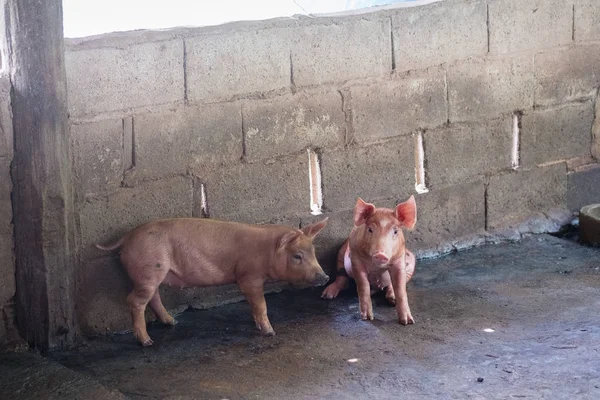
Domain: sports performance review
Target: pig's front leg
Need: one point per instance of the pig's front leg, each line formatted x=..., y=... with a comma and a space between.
x=254, y=292
x=399, y=281
x=364, y=293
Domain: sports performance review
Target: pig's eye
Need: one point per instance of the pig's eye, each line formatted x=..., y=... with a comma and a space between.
x=370, y=230
x=298, y=257
x=395, y=231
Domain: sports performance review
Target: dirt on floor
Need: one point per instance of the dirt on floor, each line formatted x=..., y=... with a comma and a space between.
x=515, y=320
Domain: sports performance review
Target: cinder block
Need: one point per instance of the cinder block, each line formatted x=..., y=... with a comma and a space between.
x=459, y=152
x=512, y=198
x=556, y=134
x=169, y=142
x=480, y=88
x=567, y=74
x=583, y=188
x=375, y=172
x=7, y=269
x=6, y=213
x=587, y=20
x=291, y=123
x=351, y=49
x=98, y=155
x=109, y=79
x=102, y=289
x=430, y=35
x=258, y=192
x=517, y=25
x=106, y=219
x=6, y=130
x=445, y=215
x=221, y=67
x=399, y=107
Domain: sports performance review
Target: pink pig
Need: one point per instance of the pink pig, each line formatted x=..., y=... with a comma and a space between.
x=375, y=254
x=186, y=252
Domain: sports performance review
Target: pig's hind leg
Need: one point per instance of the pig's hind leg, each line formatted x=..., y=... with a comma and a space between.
x=160, y=311
x=137, y=300
x=146, y=277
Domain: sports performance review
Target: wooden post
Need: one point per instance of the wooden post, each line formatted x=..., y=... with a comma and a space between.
x=41, y=171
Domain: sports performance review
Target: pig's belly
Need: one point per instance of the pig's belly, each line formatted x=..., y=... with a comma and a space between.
x=200, y=275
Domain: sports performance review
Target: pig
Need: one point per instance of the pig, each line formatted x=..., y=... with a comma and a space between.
x=375, y=255
x=186, y=252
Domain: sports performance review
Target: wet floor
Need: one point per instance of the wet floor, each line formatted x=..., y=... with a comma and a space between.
x=500, y=321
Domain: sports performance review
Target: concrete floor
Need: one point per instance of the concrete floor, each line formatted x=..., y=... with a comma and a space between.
x=540, y=296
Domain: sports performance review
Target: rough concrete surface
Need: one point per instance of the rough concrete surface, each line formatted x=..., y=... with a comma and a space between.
x=513, y=197
x=517, y=25
x=374, y=172
x=223, y=66
x=429, y=35
x=587, y=20
x=461, y=151
x=288, y=124
x=567, y=74
x=539, y=297
x=109, y=79
x=556, y=134
x=400, y=106
x=353, y=49
x=479, y=88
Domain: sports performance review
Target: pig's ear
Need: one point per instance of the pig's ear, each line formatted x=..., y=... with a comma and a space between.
x=362, y=211
x=289, y=237
x=314, y=229
x=407, y=213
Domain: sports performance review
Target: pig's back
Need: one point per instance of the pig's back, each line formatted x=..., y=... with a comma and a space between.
x=198, y=251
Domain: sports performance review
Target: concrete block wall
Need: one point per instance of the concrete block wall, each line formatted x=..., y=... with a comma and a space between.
x=7, y=264
x=493, y=102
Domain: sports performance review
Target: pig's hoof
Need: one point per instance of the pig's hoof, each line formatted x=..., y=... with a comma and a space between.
x=148, y=342
x=170, y=321
x=330, y=292
x=268, y=333
x=367, y=316
x=407, y=321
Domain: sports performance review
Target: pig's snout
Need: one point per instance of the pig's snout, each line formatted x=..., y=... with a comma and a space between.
x=380, y=258
x=321, y=279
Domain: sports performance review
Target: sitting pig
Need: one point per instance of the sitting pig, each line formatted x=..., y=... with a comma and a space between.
x=186, y=252
x=375, y=254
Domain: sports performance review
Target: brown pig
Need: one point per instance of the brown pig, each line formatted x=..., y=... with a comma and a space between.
x=185, y=252
x=375, y=255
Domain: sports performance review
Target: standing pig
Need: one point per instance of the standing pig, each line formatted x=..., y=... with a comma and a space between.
x=375, y=254
x=186, y=252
